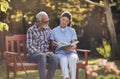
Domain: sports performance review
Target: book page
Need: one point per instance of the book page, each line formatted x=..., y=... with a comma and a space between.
x=63, y=45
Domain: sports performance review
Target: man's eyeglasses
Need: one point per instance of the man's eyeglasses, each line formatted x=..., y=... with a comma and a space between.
x=45, y=22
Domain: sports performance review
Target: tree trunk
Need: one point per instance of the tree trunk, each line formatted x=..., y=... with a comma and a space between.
x=110, y=26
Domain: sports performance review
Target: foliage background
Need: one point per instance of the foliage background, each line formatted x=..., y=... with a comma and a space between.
x=88, y=20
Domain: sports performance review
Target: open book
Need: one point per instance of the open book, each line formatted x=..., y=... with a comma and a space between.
x=62, y=45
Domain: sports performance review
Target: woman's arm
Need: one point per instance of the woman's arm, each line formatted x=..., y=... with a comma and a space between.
x=54, y=43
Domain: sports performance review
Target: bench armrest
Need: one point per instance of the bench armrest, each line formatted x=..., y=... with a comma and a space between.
x=11, y=57
x=86, y=54
x=11, y=53
x=83, y=50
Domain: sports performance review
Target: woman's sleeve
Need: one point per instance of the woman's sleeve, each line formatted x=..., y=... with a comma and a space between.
x=74, y=35
x=52, y=35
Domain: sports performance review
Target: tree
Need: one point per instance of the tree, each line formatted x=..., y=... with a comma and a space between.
x=4, y=5
x=110, y=24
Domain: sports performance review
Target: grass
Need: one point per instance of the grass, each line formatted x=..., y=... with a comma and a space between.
x=58, y=75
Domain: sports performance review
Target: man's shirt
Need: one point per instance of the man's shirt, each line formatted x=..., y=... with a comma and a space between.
x=38, y=39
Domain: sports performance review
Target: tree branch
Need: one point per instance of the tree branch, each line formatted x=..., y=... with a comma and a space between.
x=94, y=3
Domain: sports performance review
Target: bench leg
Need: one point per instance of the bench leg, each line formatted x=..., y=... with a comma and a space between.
x=77, y=73
x=8, y=74
x=86, y=76
x=15, y=74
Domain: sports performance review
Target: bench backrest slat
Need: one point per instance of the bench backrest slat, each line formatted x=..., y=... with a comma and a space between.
x=17, y=43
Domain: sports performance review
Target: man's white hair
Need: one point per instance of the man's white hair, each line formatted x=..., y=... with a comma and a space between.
x=40, y=15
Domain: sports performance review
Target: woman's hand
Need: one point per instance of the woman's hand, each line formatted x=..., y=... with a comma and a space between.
x=70, y=47
x=54, y=43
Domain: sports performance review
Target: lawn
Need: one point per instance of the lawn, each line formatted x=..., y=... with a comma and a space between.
x=102, y=73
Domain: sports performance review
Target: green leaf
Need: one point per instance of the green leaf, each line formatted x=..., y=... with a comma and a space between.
x=4, y=5
x=105, y=49
x=4, y=26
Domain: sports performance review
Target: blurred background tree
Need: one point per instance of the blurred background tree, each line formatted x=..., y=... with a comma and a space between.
x=106, y=6
x=89, y=20
x=4, y=6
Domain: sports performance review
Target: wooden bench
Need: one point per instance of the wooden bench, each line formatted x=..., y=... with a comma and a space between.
x=16, y=56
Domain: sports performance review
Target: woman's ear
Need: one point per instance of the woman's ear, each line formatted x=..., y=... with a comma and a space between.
x=69, y=24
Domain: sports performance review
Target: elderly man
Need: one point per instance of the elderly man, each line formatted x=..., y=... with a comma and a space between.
x=38, y=46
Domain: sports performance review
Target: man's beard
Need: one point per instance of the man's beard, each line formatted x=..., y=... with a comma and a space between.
x=43, y=27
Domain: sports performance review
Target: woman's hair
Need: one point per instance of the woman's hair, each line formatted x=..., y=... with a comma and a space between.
x=67, y=14
x=40, y=15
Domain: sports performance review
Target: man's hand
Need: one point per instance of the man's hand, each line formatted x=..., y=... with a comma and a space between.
x=48, y=53
x=40, y=52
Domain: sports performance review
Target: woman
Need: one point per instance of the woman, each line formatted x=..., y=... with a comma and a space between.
x=68, y=56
